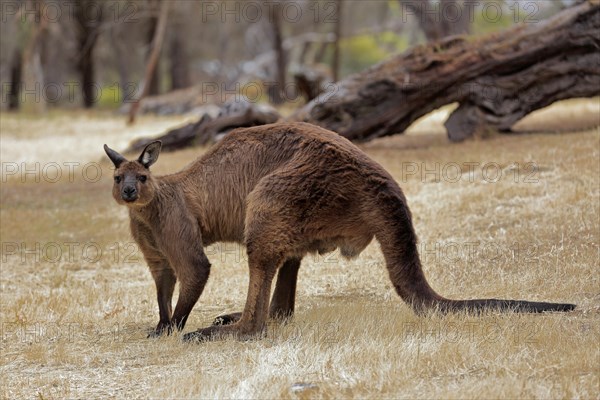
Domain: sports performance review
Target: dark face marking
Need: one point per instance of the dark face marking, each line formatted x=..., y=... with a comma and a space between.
x=129, y=192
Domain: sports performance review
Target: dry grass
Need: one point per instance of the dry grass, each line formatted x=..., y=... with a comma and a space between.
x=74, y=322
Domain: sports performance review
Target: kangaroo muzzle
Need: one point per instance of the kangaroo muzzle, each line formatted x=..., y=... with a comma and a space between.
x=129, y=193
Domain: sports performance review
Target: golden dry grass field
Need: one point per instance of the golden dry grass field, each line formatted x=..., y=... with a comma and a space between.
x=508, y=217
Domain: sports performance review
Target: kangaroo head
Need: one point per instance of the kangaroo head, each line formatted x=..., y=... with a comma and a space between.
x=134, y=185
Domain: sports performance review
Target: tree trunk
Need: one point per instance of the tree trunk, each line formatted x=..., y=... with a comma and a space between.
x=276, y=90
x=153, y=60
x=86, y=70
x=88, y=26
x=120, y=50
x=33, y=73
x=154, y=82
x=179, y=62
x=497, y=80
x=16, y=77
x=335, y=65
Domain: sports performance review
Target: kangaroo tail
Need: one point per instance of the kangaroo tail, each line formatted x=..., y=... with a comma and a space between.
x=521, y=306
x=398, y=242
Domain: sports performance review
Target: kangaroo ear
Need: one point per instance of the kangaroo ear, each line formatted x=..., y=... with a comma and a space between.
x=150, y=154
x=115, y=157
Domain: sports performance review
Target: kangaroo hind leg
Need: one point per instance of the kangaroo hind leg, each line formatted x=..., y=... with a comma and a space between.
x=284, y=296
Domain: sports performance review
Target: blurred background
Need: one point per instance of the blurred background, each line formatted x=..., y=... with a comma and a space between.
x=94, y=54
x=512, y=216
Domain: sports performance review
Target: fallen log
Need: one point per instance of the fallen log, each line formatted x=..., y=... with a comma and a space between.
x=311, y=81
x=235, y=114
x=496, y=80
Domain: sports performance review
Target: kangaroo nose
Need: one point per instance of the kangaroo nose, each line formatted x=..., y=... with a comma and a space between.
x=129, y=191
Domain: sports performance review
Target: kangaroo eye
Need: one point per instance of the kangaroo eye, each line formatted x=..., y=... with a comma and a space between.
x=142, y=178
x=118, y=179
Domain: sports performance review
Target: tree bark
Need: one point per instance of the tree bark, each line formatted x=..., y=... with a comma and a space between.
x=497, y=80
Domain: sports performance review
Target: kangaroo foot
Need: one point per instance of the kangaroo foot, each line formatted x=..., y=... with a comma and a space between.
x=219, y=332
x=227, y=319
x=163, y=328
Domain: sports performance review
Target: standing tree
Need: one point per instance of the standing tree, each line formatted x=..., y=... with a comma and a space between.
x=16, y=72
x=153, y=21
x=157, y=42
x=335, y=65
x=179, y=60
x=276, y=90
x=33, y=73
x=88, y=18
x=14, y=30
x=120, y=51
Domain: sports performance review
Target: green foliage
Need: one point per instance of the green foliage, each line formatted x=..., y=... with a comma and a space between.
x=362, y=51
x=110, y=97
x=494, y=18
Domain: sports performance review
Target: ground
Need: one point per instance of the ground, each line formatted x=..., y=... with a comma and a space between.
x=515, y=216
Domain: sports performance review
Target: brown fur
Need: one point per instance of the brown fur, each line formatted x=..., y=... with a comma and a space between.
x=283, y=190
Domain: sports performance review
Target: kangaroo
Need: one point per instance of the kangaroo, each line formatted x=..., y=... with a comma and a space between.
x=284, y=190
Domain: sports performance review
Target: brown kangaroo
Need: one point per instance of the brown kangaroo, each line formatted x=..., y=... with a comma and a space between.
x=283, y=190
